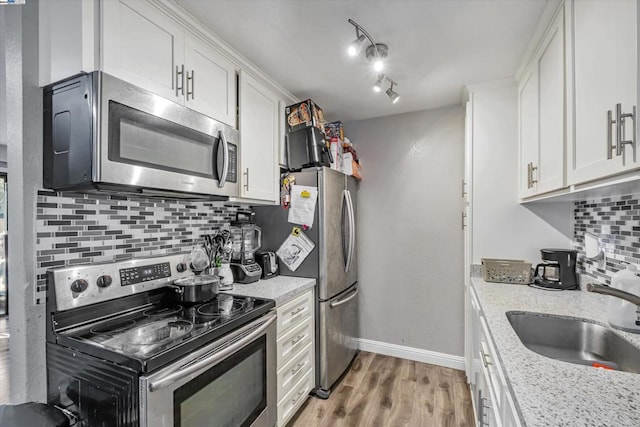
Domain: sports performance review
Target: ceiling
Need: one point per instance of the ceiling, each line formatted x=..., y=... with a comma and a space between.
x=435, y=46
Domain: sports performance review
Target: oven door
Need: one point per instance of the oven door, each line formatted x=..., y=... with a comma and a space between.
x=230, y=382
x=147, y=141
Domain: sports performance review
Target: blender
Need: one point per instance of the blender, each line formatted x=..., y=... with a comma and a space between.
x=246, y=240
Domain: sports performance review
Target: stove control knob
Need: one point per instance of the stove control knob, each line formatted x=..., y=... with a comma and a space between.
x=182, y=267
x=79, y=286
x=104, y=281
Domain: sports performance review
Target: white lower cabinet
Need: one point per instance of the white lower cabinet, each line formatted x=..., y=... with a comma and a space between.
x=295, y=349
x=492, y=402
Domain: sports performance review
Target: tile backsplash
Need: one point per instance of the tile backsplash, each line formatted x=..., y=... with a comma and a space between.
x=616, y=222
x=85, y=228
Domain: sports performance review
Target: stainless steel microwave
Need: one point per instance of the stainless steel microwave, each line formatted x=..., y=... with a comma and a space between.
x=101, y=133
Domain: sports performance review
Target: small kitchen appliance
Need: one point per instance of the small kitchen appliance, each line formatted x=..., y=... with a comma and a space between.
x=558, y=269
x=307, y=148
x=247, y=239
x=268, y=261
x=123, y=350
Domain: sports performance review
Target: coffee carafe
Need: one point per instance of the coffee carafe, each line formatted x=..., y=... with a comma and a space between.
x=246, y=241
x=557, y=270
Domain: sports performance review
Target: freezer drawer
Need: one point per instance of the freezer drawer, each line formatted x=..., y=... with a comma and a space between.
x=338, y=331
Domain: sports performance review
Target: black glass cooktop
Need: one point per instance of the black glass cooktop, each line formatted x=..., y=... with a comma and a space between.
x=153, y=335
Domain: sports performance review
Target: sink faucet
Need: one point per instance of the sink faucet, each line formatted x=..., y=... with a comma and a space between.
x=608, y=290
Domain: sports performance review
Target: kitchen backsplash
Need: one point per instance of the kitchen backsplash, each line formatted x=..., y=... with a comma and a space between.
x=85, y=228
x=616, y=221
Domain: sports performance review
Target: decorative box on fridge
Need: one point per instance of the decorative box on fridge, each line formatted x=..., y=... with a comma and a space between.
x=304, y=114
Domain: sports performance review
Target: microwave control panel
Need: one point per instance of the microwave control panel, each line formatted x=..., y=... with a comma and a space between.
x=232, y=174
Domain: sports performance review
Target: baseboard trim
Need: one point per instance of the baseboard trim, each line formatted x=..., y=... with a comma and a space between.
x=411, y=353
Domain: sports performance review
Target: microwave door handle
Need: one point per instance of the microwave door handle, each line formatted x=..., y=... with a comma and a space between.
x=222, y=177
x=188, y=369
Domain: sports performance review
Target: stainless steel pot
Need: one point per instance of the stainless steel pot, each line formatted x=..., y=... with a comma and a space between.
x=196, y=289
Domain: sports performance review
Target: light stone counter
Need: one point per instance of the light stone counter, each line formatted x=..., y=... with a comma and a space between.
x=280, y=288
x=548, y=392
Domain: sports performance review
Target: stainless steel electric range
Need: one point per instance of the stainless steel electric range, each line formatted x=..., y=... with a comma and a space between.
x=122, y=352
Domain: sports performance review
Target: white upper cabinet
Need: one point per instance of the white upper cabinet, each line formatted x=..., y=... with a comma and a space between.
x=542, y=115
x=144, y=46
x=210, y=81
x=604, y=70
x=259, y=136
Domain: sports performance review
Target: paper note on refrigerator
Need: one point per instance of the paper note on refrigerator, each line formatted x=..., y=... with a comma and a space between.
x=303, y=204
x=295, y=249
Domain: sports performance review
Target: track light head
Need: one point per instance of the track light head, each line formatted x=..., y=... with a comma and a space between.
x=355, y=46
x=377, y=87
x=377, y=53
x=393, y=95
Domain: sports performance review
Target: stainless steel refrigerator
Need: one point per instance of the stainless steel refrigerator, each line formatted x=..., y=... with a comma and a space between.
x=333, y=263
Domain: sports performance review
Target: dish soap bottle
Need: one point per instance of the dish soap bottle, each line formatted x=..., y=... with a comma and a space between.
x=622, y=314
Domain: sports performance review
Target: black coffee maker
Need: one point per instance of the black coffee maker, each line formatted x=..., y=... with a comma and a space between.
x=557, y=270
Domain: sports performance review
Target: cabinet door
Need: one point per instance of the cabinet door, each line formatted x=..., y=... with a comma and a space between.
x=604, y=61
x=528, y=110
x=258, y=123
x=210, y=81
x=550, y=166
x=142, y=46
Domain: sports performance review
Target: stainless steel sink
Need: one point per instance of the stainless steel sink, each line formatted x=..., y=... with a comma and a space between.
x=575, y=341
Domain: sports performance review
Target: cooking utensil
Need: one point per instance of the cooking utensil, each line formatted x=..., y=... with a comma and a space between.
x=196, y=289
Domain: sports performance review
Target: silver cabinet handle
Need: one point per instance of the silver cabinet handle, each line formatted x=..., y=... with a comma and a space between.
x=610, y=122
x=334, y=304
x=222, y=177
x=297, y=339
x=464, y=189
x=189, y=368
x=298, y=396
x=179, y=79
x=190, y=79
x=294, y=312
x=464, y=216
x=621, y=140
x=485, y=358
x=297, y=368
x=528, y=175
x=533, y=168
x=246, y=180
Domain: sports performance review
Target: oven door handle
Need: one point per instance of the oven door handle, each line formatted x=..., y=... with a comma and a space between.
x=191, y=367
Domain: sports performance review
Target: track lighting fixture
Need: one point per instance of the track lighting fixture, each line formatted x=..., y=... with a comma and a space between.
x=376, y=54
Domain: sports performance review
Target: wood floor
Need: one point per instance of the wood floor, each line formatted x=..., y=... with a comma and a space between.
x=4, y=361
x=386, y=391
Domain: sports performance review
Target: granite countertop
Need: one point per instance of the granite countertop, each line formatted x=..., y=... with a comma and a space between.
x=280, y=288
x=548, y=392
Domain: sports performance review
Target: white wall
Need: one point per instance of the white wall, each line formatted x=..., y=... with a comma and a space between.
x=410, y=259
x=19, y=90
x=502, y=227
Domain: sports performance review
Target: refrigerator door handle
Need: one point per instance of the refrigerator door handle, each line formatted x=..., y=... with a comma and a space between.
x=352, y=231
x=346, y=248
x=334, y=304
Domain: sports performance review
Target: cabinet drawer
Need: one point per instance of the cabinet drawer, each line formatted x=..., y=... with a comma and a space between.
x=293, y=371
x=294, y=399
x=294, y=312
x=492, y=368
x=293, y=341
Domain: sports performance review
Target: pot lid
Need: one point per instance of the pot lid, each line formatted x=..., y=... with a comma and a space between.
x=202, y=279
